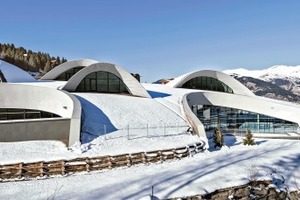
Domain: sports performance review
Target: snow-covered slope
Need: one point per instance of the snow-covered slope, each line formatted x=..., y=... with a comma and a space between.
x=285, y=77
x=111, y=110
x=14, y=74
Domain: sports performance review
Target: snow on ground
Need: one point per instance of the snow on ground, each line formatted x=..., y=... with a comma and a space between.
x=32, y=151
x=120, y=145
x=107, y=114
x=205, y=172
x=111, y=109
x=106, y=119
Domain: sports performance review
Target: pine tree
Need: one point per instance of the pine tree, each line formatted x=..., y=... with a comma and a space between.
x=218, y=138
x=248, y=140
x=47, y=67
x=33, y=61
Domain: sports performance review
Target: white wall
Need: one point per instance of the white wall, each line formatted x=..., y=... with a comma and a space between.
x=44, y=99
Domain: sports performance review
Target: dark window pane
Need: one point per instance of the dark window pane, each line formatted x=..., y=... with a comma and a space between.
x=207, y=83
x=68, y=74
x=102, y=82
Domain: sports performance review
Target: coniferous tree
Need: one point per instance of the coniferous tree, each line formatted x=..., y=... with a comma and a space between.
x=218, y=138
x=248, y=140
x=47, y=66
x=27, y=59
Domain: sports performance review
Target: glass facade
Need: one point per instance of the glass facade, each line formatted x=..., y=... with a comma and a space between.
x=12, y=113
x=102, y=82
x=235, y=120
x=207, y=83
x=68, y=74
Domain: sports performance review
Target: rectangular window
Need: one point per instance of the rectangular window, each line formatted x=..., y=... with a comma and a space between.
x=93, y=85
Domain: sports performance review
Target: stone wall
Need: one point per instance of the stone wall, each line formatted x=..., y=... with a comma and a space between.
x=253, y=190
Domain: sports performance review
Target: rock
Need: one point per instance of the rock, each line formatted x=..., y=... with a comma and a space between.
x=282, y=195
x=295, y=195
x=272, y=194
x=259, y=192
x=241, y=192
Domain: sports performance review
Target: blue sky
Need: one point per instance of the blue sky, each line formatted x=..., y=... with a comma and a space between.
x=159, y=38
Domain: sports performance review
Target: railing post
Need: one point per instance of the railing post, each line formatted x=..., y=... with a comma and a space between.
x=104, y=132
x=128, y=137
x=147, y=131
x=152, y=192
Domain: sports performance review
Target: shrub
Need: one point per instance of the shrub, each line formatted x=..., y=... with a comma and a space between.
x=248, y=140
x=218, y=138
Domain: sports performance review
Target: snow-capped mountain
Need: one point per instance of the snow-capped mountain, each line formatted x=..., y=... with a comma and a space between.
x=280, y=81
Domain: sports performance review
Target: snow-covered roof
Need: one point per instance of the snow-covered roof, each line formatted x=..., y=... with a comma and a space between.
x=13, y=74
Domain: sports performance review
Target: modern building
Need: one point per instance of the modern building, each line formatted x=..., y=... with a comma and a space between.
x=222, y=101
x=47, y=109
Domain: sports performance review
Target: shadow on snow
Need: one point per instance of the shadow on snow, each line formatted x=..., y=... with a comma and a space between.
x=154, y=94
x=94, y=121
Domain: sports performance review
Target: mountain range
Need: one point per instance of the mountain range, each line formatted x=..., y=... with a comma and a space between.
x=279, y=82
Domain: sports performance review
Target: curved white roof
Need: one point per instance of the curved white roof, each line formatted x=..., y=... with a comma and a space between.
x=14, y=74
x=134, y=87
x=58, y=70
x=236, y=86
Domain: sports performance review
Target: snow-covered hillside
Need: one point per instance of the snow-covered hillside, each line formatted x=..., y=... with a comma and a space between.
x=271, y=73
x=284, y=81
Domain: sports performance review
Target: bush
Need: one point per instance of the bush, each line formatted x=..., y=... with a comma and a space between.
x=248, y=140
x=218, y=138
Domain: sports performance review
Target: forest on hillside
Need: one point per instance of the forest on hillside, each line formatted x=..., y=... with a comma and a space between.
x=29, y=60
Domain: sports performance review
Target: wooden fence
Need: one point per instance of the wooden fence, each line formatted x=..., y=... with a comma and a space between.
x=20, y=171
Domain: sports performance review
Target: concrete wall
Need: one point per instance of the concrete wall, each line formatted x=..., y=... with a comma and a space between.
x=44, y=99
x=39, y=129
x=192, y=118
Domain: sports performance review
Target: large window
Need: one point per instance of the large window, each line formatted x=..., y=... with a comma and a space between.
x=235, y=120
x=207, y=83
x=102, y=82
x=68, y=74
x=12, y=113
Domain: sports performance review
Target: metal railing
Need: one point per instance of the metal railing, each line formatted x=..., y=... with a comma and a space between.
x=134, y=131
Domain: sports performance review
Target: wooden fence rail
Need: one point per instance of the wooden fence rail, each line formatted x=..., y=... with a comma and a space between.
x=44, y=169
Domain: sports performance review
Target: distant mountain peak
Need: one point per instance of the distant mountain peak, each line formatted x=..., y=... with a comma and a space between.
x=278, y=81
x=273, y=72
